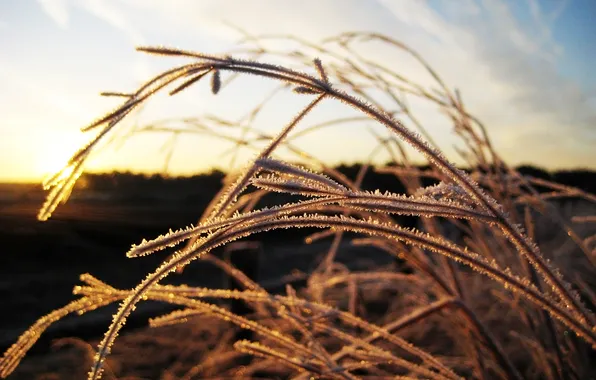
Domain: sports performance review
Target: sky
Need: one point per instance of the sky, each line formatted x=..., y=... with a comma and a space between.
x=522, y=67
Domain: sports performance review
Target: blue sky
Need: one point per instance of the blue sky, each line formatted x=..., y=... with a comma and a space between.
x=572, y=31
x=523, y=67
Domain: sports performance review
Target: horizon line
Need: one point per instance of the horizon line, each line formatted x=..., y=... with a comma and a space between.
x=39, y=180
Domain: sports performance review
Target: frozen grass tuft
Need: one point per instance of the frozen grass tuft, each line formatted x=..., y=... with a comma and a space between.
x=476, y=295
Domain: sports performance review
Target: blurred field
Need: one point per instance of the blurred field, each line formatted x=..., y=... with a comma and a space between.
x=42, y=261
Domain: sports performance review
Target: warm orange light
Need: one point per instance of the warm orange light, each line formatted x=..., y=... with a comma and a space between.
x=56, y=153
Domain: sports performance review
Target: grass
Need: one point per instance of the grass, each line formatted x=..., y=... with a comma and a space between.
x=478, y=295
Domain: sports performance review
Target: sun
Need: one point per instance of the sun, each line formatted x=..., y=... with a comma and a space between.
x=56, y=152
x=50, y=164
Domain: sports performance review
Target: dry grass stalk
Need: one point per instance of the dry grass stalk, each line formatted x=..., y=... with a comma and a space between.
x=304, y=333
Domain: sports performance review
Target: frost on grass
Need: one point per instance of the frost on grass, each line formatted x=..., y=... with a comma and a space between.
x=301, y=332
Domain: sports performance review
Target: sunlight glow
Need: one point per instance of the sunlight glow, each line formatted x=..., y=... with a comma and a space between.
x=55, y=157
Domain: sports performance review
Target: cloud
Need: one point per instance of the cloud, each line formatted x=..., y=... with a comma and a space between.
x=501, y=54
x=109, y=12
x=57, y=10
x=543, y=20
x=504, y=63
x=519, y=57
x=115, y=16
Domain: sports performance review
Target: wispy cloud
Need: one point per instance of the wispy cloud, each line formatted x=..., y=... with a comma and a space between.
x=501, y=54
x=506, y=65
x=544, y=20
x=57, y=10
x=115, y=16
x=110, y=12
